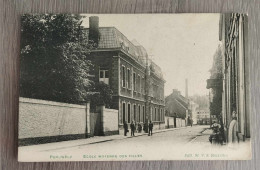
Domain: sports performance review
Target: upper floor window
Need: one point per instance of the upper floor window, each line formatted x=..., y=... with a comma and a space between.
x=123, y=76
x=134, y=81
x=104, y=76
x=143, y=85
x=128, y=79
x=139, y=83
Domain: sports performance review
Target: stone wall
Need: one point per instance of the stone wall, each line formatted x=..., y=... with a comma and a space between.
x=180, y=122
x=169, y=122
x=43, y=121
x=109, y=121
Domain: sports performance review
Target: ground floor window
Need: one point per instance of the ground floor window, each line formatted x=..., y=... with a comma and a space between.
x=124, y=113
x=139, y=113
x=134, y=113
x=143, y=114
x=129, y=112
x=161, y=115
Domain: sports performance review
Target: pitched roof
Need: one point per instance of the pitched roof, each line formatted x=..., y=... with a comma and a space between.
x=156, y=70
x=110, y=37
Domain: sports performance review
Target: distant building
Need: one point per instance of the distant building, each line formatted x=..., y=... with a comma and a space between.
x=203, y=117
x=235, y=96
x=194, y=111
x=177, y=105
x=136, y=81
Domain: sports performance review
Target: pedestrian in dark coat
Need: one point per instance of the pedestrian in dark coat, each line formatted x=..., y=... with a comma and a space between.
x=132, y=126
x=125, y=128
x=150, y=126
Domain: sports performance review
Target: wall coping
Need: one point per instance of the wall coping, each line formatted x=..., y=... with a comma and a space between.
x=110, y=110
x=46, y=102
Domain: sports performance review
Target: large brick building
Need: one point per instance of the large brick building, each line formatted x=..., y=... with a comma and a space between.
x=136, y=81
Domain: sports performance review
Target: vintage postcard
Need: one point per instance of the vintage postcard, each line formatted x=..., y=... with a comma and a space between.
x=117, y=87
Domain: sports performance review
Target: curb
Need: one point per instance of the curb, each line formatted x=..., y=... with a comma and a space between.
x=127, y=137
x=158, y=131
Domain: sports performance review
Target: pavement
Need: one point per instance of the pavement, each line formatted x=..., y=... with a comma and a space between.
x=186, y=143
x=203, y=138
x=87, y=141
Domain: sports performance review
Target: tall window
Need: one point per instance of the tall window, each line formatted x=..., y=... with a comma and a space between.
x=143, y=114
x=155, y=113
x=129, y=113
x=124, y=113
x=104, y=76
x=128, y=79
x=161, y=115
x=123, y=76
x=134, y=81
x=143, y=84
x=158, y=113
x=139, y=83
x=152, y=115
x=134, y=112
x=139, y=113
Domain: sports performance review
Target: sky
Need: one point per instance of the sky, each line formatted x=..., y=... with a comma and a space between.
x=183, y=45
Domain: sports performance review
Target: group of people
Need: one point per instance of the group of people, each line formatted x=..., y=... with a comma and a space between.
x=139, y=128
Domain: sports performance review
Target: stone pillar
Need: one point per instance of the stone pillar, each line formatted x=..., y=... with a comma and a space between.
x=102, y=120
x=88, y=133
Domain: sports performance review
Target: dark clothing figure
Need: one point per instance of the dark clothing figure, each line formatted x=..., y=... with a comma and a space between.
x=190, y=121
x=132, y=126
x=145, y=128
x=150, y=131
x=125, y=128
x=139, y=128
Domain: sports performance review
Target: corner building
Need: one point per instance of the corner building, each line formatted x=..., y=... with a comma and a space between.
x=136, y=81
x=235, y=95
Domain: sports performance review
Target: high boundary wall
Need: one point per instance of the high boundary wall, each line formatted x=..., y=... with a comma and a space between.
x=170, y=122
x=109, y=121
x=42, y=121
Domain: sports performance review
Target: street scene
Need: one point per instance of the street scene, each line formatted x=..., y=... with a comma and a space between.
x=134, y=87
x=193, y=142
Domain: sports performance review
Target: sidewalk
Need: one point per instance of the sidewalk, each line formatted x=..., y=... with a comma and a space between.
x=203, y=138
x=82, y=142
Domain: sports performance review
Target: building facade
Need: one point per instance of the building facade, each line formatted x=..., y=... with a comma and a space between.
x=205, y=118
x=177, y=105
x=235, y=99
x=136, y=81
x=194, y=111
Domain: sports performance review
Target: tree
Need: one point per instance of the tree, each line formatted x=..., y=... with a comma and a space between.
x=100, y=94
x=216, y=73
x=54, y=63
x=201, y=100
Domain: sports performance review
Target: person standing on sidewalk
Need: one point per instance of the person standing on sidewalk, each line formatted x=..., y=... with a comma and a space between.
x=125, y=128
x=132, y=126
x=150, y=131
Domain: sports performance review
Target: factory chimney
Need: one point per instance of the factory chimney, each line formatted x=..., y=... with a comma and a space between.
x=186, y=89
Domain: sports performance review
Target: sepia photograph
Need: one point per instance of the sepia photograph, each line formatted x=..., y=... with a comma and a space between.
x=119, y=87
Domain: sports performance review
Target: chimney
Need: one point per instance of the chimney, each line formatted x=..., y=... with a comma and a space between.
x=176, y=92
x=186, y=89
x=94, y=30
